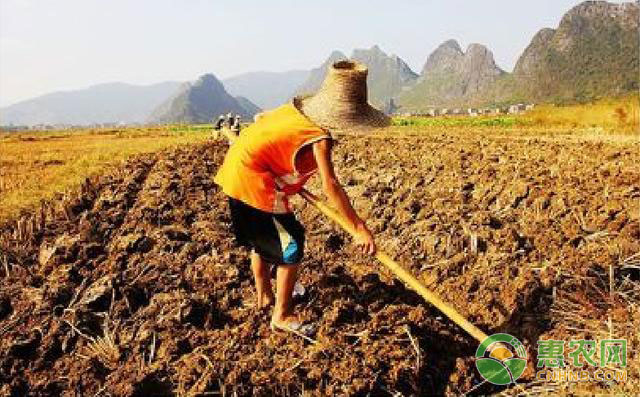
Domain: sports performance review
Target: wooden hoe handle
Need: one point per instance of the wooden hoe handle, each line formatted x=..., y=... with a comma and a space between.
x=400, y=272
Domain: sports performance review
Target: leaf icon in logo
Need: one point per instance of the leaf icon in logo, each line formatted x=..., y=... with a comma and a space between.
x=516, y=366
x=494, y=371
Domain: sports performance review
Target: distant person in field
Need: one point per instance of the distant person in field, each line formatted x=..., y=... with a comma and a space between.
x=272, y=160
x=230, y=120
x=235, y=127
x=218, y=124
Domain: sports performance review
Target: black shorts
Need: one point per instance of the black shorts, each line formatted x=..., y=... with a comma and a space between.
x=277, y=238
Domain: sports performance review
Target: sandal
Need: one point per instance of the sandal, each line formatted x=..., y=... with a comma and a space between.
x=304, y=331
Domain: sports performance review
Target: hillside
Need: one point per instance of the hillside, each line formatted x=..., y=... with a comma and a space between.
x=103, y=103
x=450, y=77
x=200, y=102
x=592, y=53
x=266, y=89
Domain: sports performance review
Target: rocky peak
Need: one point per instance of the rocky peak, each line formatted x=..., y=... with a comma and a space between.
x=388, y=74
x=625, y=14
x=543, y=36
x=478, y=57
x=451, y=76
x=529, y=59
x=200, y=102
x=588, y=19
x=593, y=52
x=208, y=82
x=447, y=57
x=476, y=50
x=451, y=44
x=206, y=86
x=480, y=68
x=376, y=59
x=590, y=16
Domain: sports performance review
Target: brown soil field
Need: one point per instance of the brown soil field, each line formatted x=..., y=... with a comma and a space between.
x=132, y=286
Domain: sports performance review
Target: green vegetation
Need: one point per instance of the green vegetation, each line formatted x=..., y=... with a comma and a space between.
x=459, y=121
x=188, y=128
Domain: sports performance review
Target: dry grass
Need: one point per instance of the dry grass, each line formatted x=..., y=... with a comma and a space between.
x=613, y=116
x=36, y=165
x=620, y=115
x=105, y=350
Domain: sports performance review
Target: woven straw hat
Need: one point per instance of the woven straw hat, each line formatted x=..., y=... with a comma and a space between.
x=341, y=103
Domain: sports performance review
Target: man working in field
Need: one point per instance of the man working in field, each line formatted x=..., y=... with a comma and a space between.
x=272, y=159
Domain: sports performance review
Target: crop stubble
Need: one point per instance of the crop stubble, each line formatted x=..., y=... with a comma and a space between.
x=133, y=286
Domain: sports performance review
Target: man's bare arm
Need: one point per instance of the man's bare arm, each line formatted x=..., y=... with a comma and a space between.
x=337, y=196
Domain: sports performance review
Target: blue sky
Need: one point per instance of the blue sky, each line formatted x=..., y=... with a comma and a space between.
x=48, y=45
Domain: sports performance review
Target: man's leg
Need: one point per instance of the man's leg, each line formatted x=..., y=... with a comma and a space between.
x=285, y=280
x=262, y=280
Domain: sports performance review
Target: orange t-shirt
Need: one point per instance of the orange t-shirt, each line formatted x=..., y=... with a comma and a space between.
x=260, y=166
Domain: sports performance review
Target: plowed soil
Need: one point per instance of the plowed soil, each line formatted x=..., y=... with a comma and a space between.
x=133, y=286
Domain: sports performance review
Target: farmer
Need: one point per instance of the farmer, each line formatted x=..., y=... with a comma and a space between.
x=218, y=124
x=235, y=127
x=272, y=159
x=230, y=120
